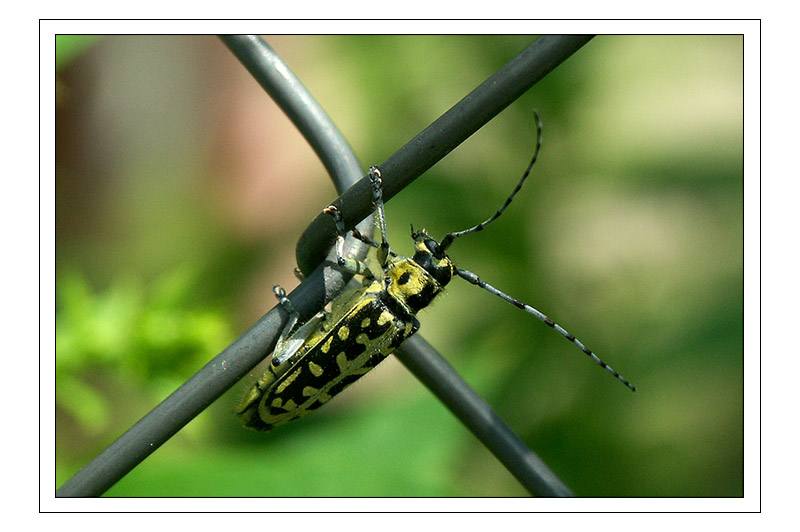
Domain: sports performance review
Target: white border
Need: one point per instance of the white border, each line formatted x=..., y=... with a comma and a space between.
x=750, y=29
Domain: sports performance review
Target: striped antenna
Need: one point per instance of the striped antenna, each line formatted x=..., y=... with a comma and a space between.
x=448, y=239
x=474, y=279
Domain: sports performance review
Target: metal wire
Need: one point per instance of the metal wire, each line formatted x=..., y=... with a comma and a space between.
x=290, y=94
x=476, y=414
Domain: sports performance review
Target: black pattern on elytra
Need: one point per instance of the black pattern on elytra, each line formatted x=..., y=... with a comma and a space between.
x=327, y=361
x=342, y=384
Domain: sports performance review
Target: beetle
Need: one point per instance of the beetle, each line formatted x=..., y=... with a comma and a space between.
x=315, y=360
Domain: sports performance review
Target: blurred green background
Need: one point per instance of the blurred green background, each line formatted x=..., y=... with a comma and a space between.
x=181, y=191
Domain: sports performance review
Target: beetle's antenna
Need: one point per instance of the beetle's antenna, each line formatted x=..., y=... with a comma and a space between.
x=474, y=279
x=449, y=237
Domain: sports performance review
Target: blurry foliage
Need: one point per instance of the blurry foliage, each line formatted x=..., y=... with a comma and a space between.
x=148, y=336
x=69, y=47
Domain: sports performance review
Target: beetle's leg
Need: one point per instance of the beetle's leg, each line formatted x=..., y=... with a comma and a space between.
x=380, y=218
x=348, y=264
x=294, y=316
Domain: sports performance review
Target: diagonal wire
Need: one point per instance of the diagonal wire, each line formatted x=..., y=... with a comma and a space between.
x=238, y=359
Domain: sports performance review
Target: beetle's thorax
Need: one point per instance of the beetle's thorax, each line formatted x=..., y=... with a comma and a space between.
x=414, y=282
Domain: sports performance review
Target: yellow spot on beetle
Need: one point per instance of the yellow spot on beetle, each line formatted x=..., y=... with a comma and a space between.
x=385, y=317
x=282, y=386
x=309, y=391
x=362, y=339
x=343, y=332
x=326, y=346
x=315, y=369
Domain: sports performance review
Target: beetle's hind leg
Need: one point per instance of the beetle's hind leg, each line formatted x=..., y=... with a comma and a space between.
x=294, y=316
